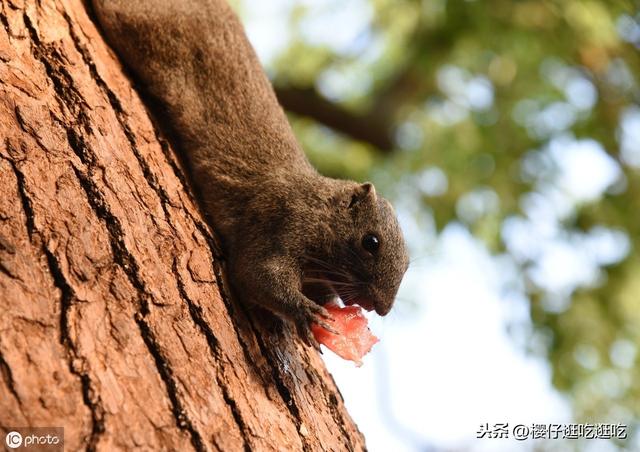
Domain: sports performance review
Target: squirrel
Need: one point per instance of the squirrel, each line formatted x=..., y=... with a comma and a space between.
x=293, y=239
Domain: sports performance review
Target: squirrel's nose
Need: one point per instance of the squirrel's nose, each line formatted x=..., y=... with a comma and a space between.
x=382, y=307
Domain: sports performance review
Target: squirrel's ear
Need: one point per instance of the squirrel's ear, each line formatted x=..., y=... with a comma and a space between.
x=362, y=192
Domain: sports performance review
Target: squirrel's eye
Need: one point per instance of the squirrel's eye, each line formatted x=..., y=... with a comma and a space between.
x=370, y=243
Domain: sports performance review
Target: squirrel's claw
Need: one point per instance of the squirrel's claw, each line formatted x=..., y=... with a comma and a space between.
x=313, y=313
x=304, y=330
x=320, y=316
x=327, y=326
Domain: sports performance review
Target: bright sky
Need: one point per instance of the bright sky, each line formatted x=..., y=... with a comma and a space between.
x=446, y=366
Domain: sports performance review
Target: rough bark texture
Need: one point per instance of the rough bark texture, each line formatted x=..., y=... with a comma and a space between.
x=113, y=324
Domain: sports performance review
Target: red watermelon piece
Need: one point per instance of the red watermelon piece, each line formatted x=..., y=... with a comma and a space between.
x=355, y=339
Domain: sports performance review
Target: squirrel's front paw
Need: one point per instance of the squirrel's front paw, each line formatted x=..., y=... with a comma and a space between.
x=308, y=314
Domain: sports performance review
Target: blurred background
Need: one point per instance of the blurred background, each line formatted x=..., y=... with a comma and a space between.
x=507, y=135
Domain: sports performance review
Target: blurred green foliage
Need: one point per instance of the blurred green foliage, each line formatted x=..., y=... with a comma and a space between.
x=518, y=119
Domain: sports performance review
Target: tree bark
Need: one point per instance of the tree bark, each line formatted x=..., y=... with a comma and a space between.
x=116, y=323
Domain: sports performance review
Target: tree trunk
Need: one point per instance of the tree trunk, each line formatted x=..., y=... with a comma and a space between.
x=112, y=321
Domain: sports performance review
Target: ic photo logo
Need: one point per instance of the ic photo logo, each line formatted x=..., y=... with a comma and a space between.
x=34, y=439
x=13, y=440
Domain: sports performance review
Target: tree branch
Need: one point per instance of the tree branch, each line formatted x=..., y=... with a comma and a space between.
x=408, y=85
x=374, y=127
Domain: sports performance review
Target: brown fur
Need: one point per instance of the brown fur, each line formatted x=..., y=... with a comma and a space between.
x=292, y=237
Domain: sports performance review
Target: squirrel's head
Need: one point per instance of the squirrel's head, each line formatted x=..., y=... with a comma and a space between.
x=368, y=255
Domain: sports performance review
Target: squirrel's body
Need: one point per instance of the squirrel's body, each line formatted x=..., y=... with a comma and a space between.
x=279, y=220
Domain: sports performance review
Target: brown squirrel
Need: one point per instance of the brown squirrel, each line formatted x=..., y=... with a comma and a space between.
x=293, y=239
